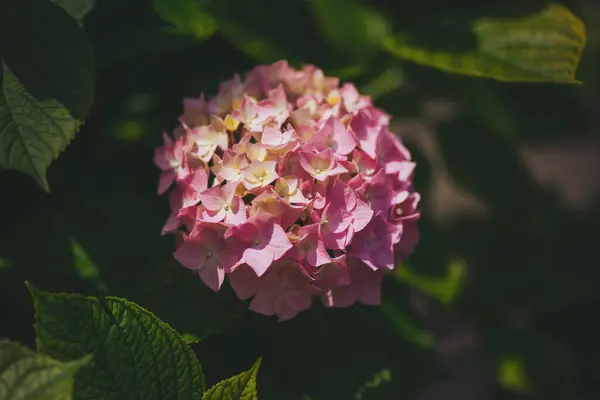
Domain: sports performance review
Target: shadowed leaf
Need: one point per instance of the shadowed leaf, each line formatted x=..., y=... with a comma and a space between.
x=32, y=132
x=545, y=47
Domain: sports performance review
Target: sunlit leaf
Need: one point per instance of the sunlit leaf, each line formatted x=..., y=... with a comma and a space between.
x=136, y=355
x=239, y=387
x=25, y=375
x=545, y=47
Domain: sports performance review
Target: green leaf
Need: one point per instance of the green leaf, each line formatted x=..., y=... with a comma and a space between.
x=49, y=53
x=238, y=387
x=136, y=354
x=512, y=374
x=444, y=289
x=85, y=267
x=381, y=377
x=25, y=375
x=350, y=26
x=389, y=80
x=545, y=47
x=77, y=9
x=404, y=325
x=187, y=16
x=32, y=132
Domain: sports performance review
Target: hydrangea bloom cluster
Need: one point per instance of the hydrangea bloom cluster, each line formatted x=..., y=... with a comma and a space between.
x=291, y=185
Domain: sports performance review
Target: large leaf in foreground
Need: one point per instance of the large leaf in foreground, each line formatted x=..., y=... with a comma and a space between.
x=545, y=47
x=25, y=375
x=238, y=387
x=136, y=356
x=33, y=132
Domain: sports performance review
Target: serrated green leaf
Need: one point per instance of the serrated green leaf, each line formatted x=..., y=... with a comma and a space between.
x=25, y=375
x=187, y=16
x=136, y=355
x=32, y=132
x=49, y=53
x=238, y=387
x=545, y=47
x=77, y=9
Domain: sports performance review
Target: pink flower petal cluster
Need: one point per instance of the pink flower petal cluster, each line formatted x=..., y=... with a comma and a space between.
x=293, y=187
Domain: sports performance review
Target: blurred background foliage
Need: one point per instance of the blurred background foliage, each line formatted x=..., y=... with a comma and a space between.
x=498, y=300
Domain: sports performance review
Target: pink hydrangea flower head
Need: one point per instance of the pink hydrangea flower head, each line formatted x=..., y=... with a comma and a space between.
x=292, y=187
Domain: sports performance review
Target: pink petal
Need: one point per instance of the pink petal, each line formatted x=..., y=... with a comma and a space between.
x=228, y=191
x=191, y=254
x=171, y=225
x=338, y=221
x=367, y=130
x=362, y=215
x=367, y=283
x=341, y=296
x=228, y=173
x=342, y=196
x=337, y=169
x=344, y=140
x=160, y=159
x=279, y=242
x=212, y=277
x=212, y=199
x=334, y=274
x=187, y=216
x=165, y=181
x=258, y=259
x=264, y=303
x=338, y=240
x=305, y=161
x=318, y=256
x=291, y=303
x=271, y=136
x=244, y=282
x=237, y=212
x=214, y=216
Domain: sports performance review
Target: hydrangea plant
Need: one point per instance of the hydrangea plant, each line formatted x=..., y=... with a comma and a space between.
x=291, y=185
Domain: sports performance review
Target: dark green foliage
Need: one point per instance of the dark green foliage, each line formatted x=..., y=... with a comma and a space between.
x=500, y=302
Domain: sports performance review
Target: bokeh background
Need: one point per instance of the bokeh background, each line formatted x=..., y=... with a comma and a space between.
x=500, y=299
